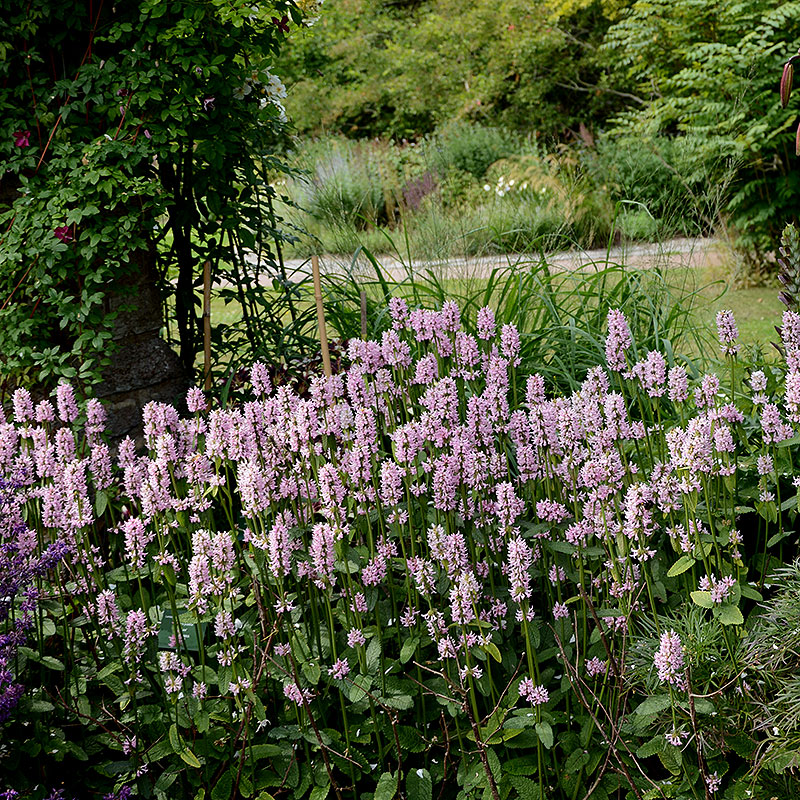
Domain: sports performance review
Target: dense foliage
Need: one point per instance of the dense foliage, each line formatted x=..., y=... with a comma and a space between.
x=135, y=138
x=686, y=88
x=402, y=69
x=421, y=579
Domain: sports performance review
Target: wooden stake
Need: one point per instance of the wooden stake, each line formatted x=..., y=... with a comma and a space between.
x=323, y=333
x=207, y=323
x=364, y=315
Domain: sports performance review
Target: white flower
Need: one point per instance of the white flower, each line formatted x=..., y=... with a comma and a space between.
x=240, y=92
x=275, y=88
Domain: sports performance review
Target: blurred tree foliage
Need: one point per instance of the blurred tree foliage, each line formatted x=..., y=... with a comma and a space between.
x=712, y=69
x=638, y=70
x=402, y=68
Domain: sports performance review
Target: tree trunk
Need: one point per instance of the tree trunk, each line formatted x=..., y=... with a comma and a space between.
x=143, y=366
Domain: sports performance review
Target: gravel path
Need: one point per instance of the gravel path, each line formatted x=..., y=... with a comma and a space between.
x=695, y=253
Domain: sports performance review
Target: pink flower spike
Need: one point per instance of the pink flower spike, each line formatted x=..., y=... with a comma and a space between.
x=63, y=233
x=535, y=695
x=340, y=669
x=22, y=138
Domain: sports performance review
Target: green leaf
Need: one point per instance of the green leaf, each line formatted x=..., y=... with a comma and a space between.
x=419, y=785
x=100, y=503
x=222, y=788
x=387, y=787
x=702, y=599
x=320, y=792
x=312, y=672
x=683, y=564
x=259, y=751
x=655, y=745
x=190, y=758
x=527, y=789
x=408, y=649
x=373, y=654
x=703, y=705
x=751, y=593
x=729, y=614
x=52, y=663
x=671, y=758
x=545, y=734
x=769, y=511
x=653, y=705
x=175, y=739
x=492, y=649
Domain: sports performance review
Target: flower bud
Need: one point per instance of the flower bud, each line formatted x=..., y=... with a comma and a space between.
x=786, y=82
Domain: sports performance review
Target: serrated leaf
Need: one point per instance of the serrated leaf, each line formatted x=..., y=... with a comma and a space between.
x=655, y=745
x=683, y=564
x=419, y=785
x=703, y=706
x=357, y=689
x=408, y=649
x=259, y=751
x=373, y=654
x=222, y=788
x=175, y=739
x=671, y=758
x=702, y=599
x=729, y=614
x=312, y=672
x=320, y=792
x=387, y=787
x=527, y=789
x=52, y=663
x=545, y=734
x=653, y=705
x=524, y=765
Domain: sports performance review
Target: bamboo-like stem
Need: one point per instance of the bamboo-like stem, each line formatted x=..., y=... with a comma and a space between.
x=364, y=315
x=323, y=333
x=207, y=324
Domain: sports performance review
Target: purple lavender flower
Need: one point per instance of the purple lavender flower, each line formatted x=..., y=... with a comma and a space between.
x=137, y=632
x=560, y=611
x=398, y=310
x=510, y=344
x=652, y=374
x=323, y=554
